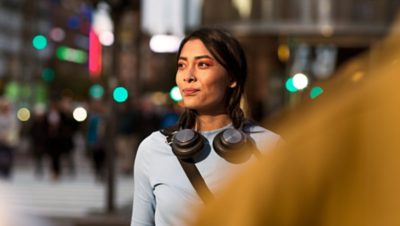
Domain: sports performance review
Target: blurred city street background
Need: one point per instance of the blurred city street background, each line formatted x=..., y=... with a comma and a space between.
x=73, y=199
x=82, y=82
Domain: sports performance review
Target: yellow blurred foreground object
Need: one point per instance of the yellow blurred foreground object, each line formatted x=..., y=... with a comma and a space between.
x=341, y=162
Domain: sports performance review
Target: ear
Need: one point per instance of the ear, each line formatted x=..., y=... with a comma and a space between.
x=233, y=84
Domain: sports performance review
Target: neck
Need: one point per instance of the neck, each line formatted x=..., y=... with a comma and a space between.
x=211, y=122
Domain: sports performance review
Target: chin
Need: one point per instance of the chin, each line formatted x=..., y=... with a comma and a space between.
x=189, y=103
x=190, y=106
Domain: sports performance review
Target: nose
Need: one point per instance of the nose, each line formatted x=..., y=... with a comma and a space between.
x=189, y=76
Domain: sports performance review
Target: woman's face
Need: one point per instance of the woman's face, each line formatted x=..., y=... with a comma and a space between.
x=202, y=81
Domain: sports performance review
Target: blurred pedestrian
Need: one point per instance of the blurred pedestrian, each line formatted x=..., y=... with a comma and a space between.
x=209, y=138
x=54, y=146
x=149, y=118
x=127, y=136
x=8, y=137
x=68, y=128
x=95, y=138
x=38, y=134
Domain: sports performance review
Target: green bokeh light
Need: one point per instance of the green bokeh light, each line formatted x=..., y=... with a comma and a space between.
x=40, y=93
x=25, y=91
x=315, y=92
x=120, y=94
x=175, y=94
x=12, y=90
x=290, y=86
x=39, y=42
x=96, y=91
x=48, y=74
x=72, y=55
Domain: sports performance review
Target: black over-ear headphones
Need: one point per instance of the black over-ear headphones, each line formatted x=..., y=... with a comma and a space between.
x=232, y=144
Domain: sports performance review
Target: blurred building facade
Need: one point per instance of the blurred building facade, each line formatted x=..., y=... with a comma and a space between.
x=34, y=48
x=280, y=37
x=283, y=37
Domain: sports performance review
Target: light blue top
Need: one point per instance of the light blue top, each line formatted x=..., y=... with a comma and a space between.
x=163, y=195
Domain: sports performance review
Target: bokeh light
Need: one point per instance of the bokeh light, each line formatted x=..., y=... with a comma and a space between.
x=57, y=34
x=165, y=43
x=72, y=55
x=175, y=94
x=79, y=114
x=48, y=74
x=290, y=86
x=106, y=38
x=23, y=114
x=12, y=90
x=39, y=42
x=159, y=98
x=300, y=81
x=315, y=92
x=73, y=22
x=120, y=94
x=96, y=91
x=283, y=52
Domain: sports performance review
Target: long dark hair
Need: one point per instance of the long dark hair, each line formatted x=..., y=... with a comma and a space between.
x=228, y=52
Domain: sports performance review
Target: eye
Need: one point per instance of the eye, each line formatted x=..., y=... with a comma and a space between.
x=203, y=65
x=180, y=65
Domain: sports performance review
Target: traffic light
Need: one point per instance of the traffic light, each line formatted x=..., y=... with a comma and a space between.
x=120, y=94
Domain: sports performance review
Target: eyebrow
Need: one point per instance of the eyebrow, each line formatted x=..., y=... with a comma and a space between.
x=197, y=57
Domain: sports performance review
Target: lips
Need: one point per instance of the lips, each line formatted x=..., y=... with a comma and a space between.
x=189, y=91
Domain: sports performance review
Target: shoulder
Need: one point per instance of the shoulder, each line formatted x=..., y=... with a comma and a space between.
x=263, y=137
x=154, y=138
x=254, y=129
x=154, y=144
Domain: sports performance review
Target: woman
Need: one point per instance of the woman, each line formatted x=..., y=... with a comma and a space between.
x=211, y=75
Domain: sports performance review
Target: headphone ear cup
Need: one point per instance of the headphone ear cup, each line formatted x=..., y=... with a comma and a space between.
x=187, y=143
x=231, y=144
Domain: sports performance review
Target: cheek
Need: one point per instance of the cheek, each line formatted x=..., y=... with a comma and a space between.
x=219, y=83
x=218, y=89
x=177, y=80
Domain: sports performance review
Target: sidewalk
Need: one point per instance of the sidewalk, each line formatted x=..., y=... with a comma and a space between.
x=78, y=200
